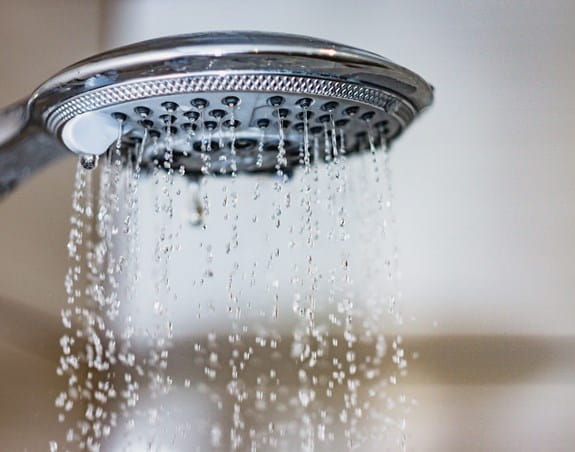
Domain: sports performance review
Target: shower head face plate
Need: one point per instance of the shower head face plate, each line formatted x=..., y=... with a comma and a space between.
x=239, y=130
x=235, y=99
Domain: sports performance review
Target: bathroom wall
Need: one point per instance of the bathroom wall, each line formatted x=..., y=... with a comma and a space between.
x=487, y=172
x=37, y=39
x=485, y=191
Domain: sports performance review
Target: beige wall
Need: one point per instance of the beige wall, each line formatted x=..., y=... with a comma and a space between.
x=37, y=39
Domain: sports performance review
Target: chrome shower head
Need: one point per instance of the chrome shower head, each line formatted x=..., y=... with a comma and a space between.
x=220, y=102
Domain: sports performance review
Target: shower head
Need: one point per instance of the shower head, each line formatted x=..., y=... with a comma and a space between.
x=220, y=102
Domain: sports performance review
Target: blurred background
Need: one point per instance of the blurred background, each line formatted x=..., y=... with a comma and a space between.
x=485, y=200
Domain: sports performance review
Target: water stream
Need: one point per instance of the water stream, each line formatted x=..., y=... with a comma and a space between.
x=246, y=312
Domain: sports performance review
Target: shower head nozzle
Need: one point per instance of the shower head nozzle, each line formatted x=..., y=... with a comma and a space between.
x=227, y=95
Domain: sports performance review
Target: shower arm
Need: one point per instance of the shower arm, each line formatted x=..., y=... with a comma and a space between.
x=25, y=147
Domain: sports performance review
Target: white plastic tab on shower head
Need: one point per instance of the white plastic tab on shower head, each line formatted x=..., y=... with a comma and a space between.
x=90, y=133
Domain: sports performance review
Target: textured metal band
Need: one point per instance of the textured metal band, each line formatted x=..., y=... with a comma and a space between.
x=266, y=83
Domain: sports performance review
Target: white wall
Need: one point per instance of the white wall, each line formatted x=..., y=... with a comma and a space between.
x=484, y=180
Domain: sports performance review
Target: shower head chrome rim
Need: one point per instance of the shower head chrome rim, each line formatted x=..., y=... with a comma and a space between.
x=342, y=91
x=234, y=82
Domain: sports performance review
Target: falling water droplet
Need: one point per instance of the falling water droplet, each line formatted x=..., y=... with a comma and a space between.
x=89, y=162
